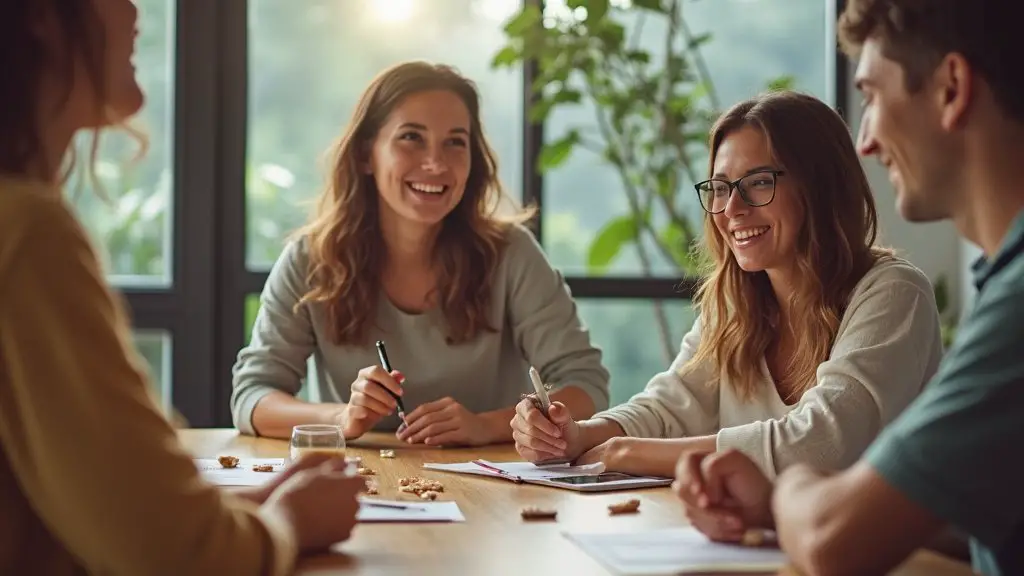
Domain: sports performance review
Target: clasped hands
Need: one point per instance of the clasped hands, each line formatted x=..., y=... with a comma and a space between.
x=442, y=422
x=724, y=494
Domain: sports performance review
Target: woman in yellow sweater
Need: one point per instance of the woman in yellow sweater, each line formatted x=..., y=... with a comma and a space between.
x=92, y=478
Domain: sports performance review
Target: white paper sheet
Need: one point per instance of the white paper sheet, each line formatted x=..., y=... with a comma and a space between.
x=241, y=475
x=522, y=470
x=673, y=551
x=445, y=511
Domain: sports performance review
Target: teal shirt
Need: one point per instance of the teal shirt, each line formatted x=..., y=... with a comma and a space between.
x=958, y=451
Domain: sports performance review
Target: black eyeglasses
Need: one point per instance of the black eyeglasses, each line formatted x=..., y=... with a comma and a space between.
x=756, y=189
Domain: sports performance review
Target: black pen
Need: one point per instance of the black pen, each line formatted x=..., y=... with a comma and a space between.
x=387, y=366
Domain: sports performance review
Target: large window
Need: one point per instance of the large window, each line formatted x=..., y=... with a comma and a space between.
x=126, y=203
x=245, y=97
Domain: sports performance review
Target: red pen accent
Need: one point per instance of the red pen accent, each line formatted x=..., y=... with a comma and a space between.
x=487, y=466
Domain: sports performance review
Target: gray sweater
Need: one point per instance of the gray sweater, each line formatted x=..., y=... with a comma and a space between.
x=531, y=308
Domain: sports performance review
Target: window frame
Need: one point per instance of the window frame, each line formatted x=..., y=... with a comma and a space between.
x=203, y=308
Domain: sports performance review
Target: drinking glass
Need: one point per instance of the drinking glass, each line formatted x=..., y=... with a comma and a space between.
x=316, y=438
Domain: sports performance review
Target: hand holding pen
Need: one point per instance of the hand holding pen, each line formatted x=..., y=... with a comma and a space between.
x=544, y=431
x=376, y=394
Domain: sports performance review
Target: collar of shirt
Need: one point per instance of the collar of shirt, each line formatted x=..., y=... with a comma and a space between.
x=984, y=269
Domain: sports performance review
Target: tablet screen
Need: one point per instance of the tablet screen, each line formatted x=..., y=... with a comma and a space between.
x=594, y=478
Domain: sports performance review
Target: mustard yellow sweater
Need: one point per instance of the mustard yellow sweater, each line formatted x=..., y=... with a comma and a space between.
x=92, y=479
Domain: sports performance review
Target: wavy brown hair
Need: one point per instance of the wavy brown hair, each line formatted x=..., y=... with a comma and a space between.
x=29, y=59
x=346, y=264
x=835, y=247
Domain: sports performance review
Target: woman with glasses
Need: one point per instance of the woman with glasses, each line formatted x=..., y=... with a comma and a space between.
x=810, y=338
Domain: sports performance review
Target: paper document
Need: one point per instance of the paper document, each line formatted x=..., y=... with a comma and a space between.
x=524, y=471
x=673, y=551
x=242, y=474
x=374, y=510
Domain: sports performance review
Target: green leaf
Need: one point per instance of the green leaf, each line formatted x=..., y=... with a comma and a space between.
x=609, y=241
x=699, y=40
x=540, y=110
x=654, y=5
x=596, y=10
x=638, y=56
x=675, y=238
x=941, y=294
x=506, y=57
x=568, y=96
x=526, y=20
x=557, y=152
x=782, y=83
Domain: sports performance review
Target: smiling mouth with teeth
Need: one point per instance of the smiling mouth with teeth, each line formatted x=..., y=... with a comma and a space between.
x=748, y=233
x=427, y=188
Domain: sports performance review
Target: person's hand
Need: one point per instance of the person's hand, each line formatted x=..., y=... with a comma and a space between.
x=538, y=438
x=303, y=497
x=724, y=493
x=611, y=453
x=259, y=494
x=445, y=422
x=370, y=401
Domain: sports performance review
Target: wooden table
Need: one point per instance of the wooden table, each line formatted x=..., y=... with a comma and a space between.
x=494, y=539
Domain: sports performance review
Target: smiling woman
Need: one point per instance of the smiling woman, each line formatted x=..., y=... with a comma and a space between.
x=407, y=246
x=810, y=337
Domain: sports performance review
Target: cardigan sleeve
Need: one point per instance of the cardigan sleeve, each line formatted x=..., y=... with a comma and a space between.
x=681, y=401
x=97, y=462
x=888, y=350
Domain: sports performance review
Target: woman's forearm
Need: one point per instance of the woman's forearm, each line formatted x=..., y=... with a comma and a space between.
x=598, y=431
x=654, y=456
x=277, y=413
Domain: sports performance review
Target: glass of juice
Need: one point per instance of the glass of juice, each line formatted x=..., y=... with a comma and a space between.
x=316, y=438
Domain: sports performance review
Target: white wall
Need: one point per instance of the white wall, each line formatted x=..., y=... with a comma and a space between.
x=935, y=248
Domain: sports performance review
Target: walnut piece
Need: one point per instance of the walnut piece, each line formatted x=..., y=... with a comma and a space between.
x=262, y=467
x=536, y=513
x=627, y=507
x=416, y=485
x=228, y=461
x=429, y=495
x=366, y=471
x=387, y=453
x=371, y=489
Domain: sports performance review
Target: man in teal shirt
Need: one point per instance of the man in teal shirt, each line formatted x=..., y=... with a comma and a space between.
x=943, y=93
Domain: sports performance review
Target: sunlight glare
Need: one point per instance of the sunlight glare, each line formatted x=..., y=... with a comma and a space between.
x=393, y=10
x=497, y=10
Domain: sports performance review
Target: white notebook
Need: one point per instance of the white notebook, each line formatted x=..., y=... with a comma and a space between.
x=586, y=478
x=669, y=551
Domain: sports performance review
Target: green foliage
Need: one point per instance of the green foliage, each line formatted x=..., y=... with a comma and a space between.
x=652, y=116
x=947, y=316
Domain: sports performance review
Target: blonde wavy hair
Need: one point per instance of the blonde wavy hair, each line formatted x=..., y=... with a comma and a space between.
x=345, y=258
x=835, y=246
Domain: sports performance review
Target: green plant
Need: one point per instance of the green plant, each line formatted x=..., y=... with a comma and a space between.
x=652, y=116
x=947, y=315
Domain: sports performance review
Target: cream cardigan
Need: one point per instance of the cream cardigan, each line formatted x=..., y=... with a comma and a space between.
x=887, y=348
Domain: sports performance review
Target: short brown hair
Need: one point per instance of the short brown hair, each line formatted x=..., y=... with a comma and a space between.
x=917, y=34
